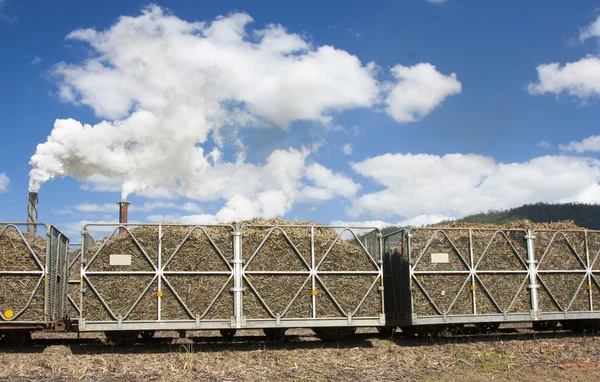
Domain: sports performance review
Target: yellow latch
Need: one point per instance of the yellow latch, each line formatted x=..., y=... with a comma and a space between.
x=589, y=287
x=159, y=293
x=473, y=287
x=9, y=313
x=313, y=292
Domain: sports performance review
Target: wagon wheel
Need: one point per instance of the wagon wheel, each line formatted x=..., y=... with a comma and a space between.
x=408, y=331
x=228, y=334
x=16, y=338
x=274, y=334
x=544, y=325
x=122, y=338
x=488, y=327
x=386, y=331
x=576, y=326
x=147, y=334
x=334, y=334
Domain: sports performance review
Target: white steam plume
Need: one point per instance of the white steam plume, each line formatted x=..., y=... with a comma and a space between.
x=169, y=85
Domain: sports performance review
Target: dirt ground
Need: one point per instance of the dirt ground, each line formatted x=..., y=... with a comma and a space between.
x=510, y=355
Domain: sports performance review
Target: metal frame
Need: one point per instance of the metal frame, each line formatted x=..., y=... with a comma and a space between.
x=585, y=260
x=159, y=276
x=531, y=271
x=237, y=272
x=51, y=274
x=313, y=273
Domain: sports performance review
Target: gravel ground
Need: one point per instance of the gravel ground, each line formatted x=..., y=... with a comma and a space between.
x=522, y=355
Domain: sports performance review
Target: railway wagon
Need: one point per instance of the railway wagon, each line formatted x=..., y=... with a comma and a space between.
x=32, y=273
x=439, y=278
x=253, y=275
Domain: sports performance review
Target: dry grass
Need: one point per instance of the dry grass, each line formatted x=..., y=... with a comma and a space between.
x=528, y=356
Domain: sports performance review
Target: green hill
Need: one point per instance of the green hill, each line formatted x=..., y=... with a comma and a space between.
x=584, y=215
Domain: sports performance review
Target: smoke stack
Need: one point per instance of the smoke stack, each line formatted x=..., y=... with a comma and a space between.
x=123, y=209
x=32, y=213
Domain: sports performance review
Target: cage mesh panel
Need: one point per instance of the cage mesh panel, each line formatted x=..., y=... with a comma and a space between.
x=72, y=307
x=345, y=255
x=197, y=292
x=125, y=244
x=442, y=289
x=278, y=291
x=196, y=253
x=559, y=254
x=349, y=290
x=371, y=307
x=110, y=288
x=14, y=253
x=426, y=242
x=15, y=291
x=594, y=249
x=252, y=306
x=499, y=252
x=302, y=306
x=324, y=305
x=504, y=287
x=421, y=305
x=277, y=243
x=277, y=254
x=484, y=304
x=562, y=286
x=147, y=307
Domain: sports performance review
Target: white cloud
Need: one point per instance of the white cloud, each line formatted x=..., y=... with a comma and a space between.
x=328, y=183
x=416, y=221
x=3, y=16
x=203, y=219
x=544, y=144
x=418, y=90
x=146, y=207
x=590, y=31
x=4, y=181
x=73, y=229
x=588, y=144
x=456, y=185
x=92, y=207
x=580, y=79
x=347, y=149
x=152, y=59
x=169, y=87
x=36, y=60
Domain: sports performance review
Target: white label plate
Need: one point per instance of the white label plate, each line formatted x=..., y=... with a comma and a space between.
x=440, y=258
x=120, y=259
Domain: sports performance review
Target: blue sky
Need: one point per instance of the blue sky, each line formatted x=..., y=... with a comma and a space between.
x=383, y=112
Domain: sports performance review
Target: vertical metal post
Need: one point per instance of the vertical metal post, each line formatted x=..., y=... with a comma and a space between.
x=532, y=274
x=160, y=272
x=589, y=271
x=65, y=282
x=410, y=277
x=81, y=273
x=54, y=278
x=472, y=270
x=312, y=271
x=46, y=275
x=379, y=248
x=237, y=276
